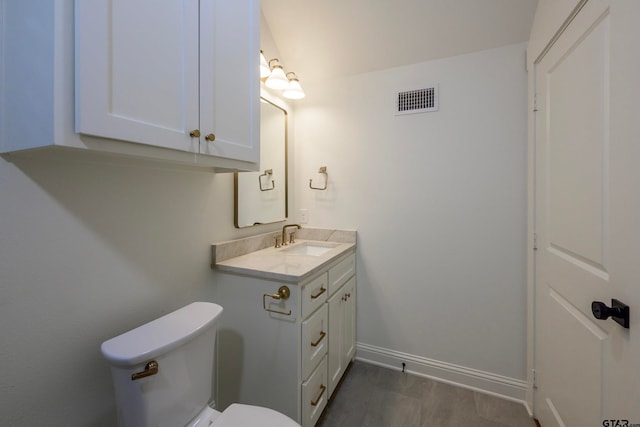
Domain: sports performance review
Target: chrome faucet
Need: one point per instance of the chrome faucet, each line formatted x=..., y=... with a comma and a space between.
x=284, y=233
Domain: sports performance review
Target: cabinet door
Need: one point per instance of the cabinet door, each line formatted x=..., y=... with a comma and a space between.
x=230, y=79
x=349, y=323
x=342, y=331
x=137, y=71
x=335, y=359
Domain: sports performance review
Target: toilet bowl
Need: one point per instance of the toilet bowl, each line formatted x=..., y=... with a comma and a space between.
x=163, y=374
x=238, y=415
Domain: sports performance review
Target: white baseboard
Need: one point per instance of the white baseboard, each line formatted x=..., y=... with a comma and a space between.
x=484, y=382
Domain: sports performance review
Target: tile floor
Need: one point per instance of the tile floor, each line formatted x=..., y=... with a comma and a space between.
x=372, y=396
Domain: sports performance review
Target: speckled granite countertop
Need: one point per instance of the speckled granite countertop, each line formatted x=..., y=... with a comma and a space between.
x=278, y=264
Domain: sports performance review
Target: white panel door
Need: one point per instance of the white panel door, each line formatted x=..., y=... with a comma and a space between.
x=586, y=369
x=137, y=71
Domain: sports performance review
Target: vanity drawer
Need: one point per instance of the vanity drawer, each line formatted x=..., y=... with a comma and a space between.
x=314, y=395
x=341, y=272
x=314, y=340
x=314, y=294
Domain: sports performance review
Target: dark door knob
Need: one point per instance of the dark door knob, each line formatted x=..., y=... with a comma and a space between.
x=618, y=311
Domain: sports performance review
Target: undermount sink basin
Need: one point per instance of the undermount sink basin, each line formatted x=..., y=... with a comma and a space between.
x=309, y=248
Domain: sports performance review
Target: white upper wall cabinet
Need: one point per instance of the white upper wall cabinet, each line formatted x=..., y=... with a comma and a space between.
x=176, y=74
x=173, y=80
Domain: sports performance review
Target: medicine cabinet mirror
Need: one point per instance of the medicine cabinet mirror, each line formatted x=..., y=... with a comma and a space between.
x=262, y=197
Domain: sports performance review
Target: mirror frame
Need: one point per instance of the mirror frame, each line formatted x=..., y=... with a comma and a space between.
x=236, y=189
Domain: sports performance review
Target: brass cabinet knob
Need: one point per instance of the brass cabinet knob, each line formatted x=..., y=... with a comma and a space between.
x=195, y=133
x=211, y=137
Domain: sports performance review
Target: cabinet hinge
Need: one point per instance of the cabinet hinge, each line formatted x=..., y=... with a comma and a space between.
x=534, y=379
x=535, y=102
x=535, y=241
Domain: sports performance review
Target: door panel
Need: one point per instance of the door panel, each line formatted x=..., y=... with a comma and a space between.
x=576, y=349
x=576, y=96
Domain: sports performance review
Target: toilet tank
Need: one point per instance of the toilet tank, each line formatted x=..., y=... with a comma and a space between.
x=182, y=344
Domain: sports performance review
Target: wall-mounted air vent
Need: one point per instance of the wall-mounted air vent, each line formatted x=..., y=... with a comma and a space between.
x=417, y=101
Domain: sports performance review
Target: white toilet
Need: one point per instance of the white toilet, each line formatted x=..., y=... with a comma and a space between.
x=163, y=371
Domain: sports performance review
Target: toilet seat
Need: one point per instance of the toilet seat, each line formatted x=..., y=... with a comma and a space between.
x=238, y=415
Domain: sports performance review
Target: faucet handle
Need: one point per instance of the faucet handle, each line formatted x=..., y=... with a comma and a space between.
x=292, y=238
x=277, y=241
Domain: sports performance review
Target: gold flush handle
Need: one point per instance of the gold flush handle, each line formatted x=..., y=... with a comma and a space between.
x=283, y=294
x=211, y=137
x=195, y=133
x=150, y=368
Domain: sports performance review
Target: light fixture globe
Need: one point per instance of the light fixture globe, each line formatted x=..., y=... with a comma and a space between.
x=293, y=90
x=277, y=80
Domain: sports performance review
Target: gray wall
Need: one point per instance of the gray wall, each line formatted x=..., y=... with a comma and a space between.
x=439, y=202
x=90, y=248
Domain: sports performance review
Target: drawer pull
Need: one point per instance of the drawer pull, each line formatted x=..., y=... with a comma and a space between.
x=322, y=291
x=322, y=390
x=150, y=368
x=283, y=293
x=322, y=335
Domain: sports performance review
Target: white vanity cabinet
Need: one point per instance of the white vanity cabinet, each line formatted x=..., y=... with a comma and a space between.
x=173, y=80
x=277, y=352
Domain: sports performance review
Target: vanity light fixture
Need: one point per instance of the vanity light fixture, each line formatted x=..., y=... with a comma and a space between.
x=273, y=75
x=277, y=79
x=294, y=90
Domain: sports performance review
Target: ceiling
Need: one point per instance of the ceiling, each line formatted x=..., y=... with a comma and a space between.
x=324, y=39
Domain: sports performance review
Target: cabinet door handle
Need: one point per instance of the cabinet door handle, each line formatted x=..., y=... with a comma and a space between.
x=322, y=335
x=322, y=390
x=195, y=133
x=322, y=291
x=211, y=137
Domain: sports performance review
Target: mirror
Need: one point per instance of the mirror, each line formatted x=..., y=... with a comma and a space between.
x=262, y=197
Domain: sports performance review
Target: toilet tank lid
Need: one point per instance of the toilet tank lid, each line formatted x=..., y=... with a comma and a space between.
x=161, y=335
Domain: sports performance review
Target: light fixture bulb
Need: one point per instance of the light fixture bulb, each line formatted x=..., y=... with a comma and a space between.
x=264, y=67
x=294, y=90
x=277, y=79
